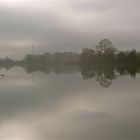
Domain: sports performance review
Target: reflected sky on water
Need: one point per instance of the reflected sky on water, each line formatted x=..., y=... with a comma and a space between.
x=40, y=106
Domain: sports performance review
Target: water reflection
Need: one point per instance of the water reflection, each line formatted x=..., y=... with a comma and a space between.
x=103, y=74
x=64, y=106
x=57, y=69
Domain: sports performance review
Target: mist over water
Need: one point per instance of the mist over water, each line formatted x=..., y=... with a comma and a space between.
x=69, y=104
x=69, y=69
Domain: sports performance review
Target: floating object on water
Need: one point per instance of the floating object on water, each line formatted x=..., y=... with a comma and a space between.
x=2, y=75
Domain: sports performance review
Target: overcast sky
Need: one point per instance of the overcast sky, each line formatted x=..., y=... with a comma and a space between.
x=67, y=25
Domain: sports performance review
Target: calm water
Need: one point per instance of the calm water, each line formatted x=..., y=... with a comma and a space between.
x=67, y=105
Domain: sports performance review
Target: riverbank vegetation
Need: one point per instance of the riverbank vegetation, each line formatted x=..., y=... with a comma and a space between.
x=104, y=53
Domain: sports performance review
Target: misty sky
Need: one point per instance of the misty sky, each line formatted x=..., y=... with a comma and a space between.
x=66, y=25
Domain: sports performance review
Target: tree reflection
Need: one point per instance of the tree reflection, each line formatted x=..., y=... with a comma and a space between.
x=104, y=63
x=57, y=69
x=104, y=74
x=131, y=70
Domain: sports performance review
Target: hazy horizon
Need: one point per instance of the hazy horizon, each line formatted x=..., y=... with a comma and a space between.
x=84, y=94
x=66, y=25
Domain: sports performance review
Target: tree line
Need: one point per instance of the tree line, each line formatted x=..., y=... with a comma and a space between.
x=106, y=53
x=51, y=59
x=103, y=53
x=104, y=63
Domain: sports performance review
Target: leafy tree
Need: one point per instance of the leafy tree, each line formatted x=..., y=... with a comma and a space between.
x=87, y=56
x=105, y=46
x=105, y=51
x=132, y=57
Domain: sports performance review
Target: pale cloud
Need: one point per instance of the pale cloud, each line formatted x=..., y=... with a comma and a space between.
x=68, y=25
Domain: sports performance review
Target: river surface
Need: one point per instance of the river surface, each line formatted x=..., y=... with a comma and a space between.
x=54, y=106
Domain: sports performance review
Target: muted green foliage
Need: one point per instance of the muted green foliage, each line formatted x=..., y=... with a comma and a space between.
x=48, y=59
x=7, y=63
x=129, y=57
x=105, y=53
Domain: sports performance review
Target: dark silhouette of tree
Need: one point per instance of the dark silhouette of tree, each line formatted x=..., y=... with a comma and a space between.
x=121, y=57
x=87, y=71
x=105, y=51
x=87, y=56
x=103, y=45
x=132, y=57
x=132, y=70
x=104, y=74
x=127, y=69
x=128, y=57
